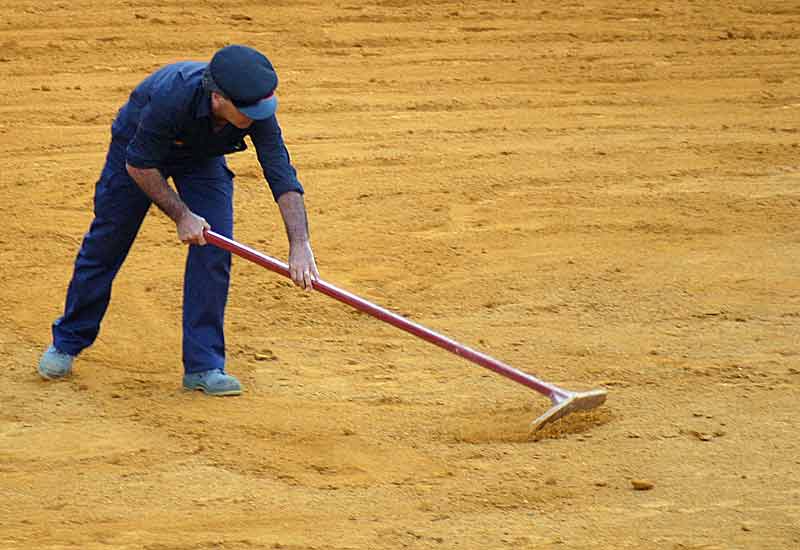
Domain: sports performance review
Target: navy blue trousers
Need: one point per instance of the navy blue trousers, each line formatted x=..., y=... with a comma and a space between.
x=119, y=209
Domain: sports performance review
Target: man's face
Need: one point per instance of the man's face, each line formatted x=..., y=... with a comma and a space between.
x=226, y=110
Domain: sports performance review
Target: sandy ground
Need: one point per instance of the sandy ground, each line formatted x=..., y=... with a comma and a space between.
x=602, y=194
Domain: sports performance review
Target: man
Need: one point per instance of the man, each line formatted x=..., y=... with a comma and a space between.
x=179, y=123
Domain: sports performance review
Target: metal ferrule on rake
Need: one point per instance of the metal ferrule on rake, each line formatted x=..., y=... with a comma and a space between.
x=564, y=402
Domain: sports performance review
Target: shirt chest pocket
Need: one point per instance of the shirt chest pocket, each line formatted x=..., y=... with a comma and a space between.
x=199, y=140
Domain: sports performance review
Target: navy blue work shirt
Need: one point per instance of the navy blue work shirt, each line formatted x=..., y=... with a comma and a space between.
x=167, y=121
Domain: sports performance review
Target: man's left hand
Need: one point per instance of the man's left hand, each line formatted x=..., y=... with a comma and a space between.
x=302, y=266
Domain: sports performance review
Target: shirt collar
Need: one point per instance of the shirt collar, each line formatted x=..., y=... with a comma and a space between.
x=204, y=108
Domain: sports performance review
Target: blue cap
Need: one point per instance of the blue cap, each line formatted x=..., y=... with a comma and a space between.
x=247, y=78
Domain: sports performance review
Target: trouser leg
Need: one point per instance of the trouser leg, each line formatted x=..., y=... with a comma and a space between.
x=119, y=208
x=207, y=189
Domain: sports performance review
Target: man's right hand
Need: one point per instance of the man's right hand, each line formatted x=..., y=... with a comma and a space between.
x=190, y=228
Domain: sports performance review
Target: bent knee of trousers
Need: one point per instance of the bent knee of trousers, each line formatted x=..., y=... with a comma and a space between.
x=119, y=209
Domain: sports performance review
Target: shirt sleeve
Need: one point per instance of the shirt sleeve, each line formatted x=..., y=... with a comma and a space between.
x=274, y=158
x=158, y=127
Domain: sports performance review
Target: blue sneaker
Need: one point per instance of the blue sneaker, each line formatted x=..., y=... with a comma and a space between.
x=55, y=364
x=213, y=382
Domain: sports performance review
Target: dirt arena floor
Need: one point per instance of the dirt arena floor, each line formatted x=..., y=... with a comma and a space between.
x=602, y=194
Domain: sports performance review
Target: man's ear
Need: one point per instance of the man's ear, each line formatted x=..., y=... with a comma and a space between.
x=217, y=98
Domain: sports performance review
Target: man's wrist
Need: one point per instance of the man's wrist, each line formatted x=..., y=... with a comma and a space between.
x=182, y=212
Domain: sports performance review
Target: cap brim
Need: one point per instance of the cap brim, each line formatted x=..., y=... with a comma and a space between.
x=261, y=110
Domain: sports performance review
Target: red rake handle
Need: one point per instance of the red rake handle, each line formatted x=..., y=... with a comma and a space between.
x=555, y=393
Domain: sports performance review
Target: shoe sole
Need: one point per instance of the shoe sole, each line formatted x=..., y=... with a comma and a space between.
x=214, y=393
x=48, y=376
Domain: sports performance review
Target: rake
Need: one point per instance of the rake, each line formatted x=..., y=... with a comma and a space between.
x=564, y=402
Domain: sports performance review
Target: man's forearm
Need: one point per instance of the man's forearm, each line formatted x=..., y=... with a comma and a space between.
x=293, y=211
x=156, y=187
